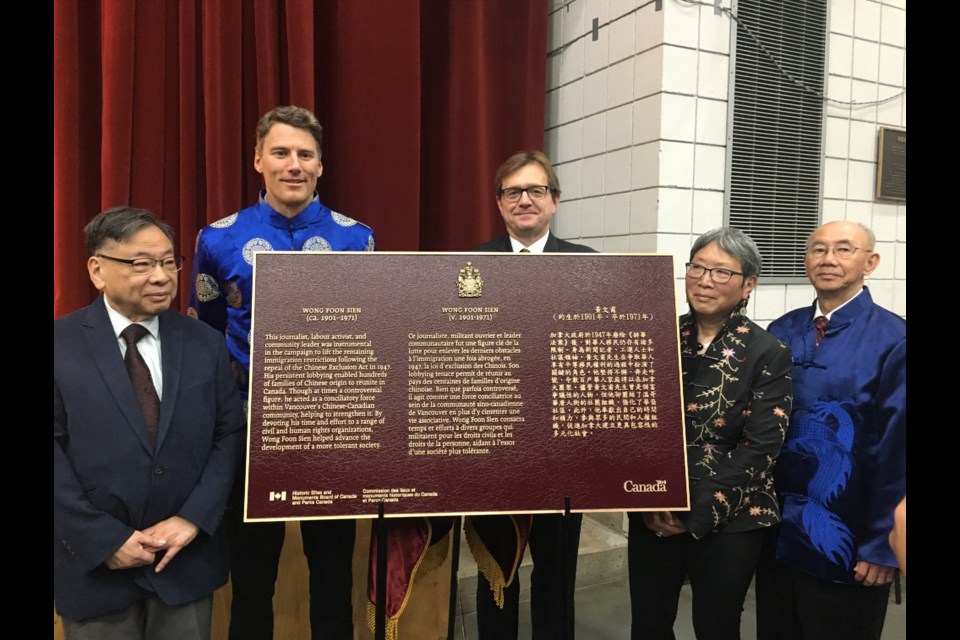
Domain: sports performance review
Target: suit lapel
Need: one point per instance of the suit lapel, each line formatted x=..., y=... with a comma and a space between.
x=171, y=353
x=552, y=245
x=99, y=335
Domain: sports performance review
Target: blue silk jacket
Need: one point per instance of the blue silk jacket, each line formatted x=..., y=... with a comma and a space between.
x=842, y=470
x=223, y=266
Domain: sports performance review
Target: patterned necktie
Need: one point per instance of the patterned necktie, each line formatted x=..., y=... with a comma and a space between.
x=821, y=322
x=142, y=380
x=524, y=250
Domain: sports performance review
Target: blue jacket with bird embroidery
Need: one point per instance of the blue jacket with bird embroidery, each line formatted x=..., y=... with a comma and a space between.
x=842, y=469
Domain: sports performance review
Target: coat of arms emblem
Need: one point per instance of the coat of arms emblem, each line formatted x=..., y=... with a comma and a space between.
x=469, y=282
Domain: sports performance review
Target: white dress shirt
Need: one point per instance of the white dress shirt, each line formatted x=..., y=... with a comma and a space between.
x=536, y=247
x=819, y=312
x=149, y=345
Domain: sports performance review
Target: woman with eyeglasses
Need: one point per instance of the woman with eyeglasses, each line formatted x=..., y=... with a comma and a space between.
x=737, y=395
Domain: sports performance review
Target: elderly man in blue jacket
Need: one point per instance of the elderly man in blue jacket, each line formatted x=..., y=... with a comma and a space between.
x=842, y=469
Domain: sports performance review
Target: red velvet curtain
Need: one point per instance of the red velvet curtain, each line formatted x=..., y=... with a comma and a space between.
x=155, y=105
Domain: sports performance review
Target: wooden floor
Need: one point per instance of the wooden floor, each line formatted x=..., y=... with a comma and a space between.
x=425, y=617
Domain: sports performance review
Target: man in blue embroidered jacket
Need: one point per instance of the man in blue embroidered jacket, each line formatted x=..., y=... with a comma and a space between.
x=287, y=217
x=842, y=469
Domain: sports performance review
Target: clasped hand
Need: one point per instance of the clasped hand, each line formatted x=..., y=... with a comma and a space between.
x=141, y=548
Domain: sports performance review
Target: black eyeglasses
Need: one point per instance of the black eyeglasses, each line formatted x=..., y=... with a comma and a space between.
x=717, y=274
x=536, y=192
x=170, y=264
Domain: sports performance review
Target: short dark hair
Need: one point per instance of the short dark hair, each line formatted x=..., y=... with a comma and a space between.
x=295, y=117
x=737, y=244
x=521, y=159
x=120, y=224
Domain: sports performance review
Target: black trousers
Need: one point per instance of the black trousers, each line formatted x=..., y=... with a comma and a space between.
x=254, y=558
x=793, y=605
x=720, y=567
x=546, y=585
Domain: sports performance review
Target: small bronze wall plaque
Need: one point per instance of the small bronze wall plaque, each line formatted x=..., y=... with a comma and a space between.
x=374, y=380
x=892, y=164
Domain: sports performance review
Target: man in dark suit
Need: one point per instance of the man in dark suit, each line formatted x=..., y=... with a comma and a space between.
x=523, y=184
x=528, y=192
x=147, y=438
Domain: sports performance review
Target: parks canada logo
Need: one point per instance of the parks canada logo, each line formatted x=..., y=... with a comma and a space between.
x=660, y=486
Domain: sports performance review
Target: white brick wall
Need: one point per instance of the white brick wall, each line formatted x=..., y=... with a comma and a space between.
x=636, y=123
x=868, y=63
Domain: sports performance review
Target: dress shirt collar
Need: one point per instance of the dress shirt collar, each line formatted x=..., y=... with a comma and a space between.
x=536, y=247
x=818, y=312
x=121, y=322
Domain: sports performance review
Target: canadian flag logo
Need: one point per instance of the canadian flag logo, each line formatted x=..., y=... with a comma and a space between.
x=278, y=495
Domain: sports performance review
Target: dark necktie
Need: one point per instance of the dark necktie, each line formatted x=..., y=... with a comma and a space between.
x=524, y=250
x=821, y=322
x=141, y=379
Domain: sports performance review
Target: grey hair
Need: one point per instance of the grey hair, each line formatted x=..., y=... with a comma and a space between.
x=870, y=234
x=120, y=224
x=737, y=244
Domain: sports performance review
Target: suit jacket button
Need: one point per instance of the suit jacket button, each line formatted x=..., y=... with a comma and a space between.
x=158, y=470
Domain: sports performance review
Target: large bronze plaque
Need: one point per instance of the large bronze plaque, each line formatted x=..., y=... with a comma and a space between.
x=442, y=383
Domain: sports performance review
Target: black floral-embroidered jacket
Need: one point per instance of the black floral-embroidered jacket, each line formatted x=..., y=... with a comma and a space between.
x=738, y=397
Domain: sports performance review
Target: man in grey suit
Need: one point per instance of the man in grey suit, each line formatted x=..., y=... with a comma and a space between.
x=528, y=193
x=147, y=438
